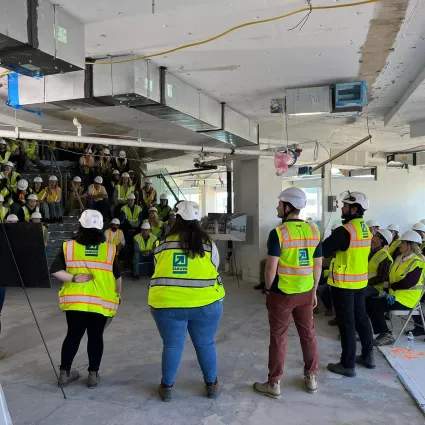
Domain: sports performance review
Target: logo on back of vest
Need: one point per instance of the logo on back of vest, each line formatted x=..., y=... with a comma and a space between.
x=92, y=250
x=365, y=230
x=180, y=263
x=303, y=257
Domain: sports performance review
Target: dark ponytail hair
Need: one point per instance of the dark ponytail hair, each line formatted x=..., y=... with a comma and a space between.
x=191, y=237
x=89, y=236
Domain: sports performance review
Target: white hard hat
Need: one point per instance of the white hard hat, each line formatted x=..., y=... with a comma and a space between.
x=91, y=219
x=53, y=179
x=148, y=180
x=335, y=226
x=38, y=180
x=130, y=171
x=2, y=142
x=411, y=236
x=419, y=226
x=372, y=223
x=115, y=221
x=22, y=184
x=146, y=226
x=294, y=196
x=36, y=215
x=132, y=196
x=386, y=234
x=116, y=172
x=121, y=154
x=153, y=209
x=393, y=227
x=1, y=198
x=355, y=198
x=98, y=180
x=106, y=151
x=188, y=210
x=8, y=164
x=32, y=197
x=163, y=196
x=76, y=179
x=12, y=218
x=125, y=175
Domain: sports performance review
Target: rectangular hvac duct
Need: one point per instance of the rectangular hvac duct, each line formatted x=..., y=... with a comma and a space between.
x=37, y=38
x=309, y=101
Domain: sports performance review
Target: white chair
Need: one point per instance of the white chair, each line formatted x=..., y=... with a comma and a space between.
x=415, y=311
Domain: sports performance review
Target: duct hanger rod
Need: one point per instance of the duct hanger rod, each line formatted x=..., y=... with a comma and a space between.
x=17, y=134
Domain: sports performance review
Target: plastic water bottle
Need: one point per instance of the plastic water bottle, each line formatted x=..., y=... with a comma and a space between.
x=410, y=341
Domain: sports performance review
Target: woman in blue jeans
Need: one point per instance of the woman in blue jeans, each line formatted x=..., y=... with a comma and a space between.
x=186, y=295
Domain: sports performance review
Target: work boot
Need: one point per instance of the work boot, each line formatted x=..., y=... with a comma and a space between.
x=66, y=377
x=94, y=379
x=384, y=339
x=213, y=390
x=311, y=383
x=165, y=393
x=267, y=389
x=368, y=362
x=339, y=369
x=329, y=312
x=260, y=286
x=333, y=322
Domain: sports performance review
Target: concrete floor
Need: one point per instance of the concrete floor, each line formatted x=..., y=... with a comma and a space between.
x=131, y=371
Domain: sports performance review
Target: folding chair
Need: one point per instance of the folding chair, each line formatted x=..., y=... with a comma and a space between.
x=415, y=311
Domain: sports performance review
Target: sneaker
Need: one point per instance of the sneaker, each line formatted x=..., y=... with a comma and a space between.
x=311, y=383
x=416, y=331
x=165, y=393
x=368, y=362
x=66, y=377
x=339, y=369
x=333, y=322
x=329, y=312
x=213, y=390
x=260, y=286
x=384, y=339
x=94, y=379
x=267, y=389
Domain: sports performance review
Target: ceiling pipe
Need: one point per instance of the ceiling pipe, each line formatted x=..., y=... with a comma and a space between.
x=125, y=142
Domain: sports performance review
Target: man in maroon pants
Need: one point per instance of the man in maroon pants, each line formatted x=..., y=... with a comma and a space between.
x=292, y=273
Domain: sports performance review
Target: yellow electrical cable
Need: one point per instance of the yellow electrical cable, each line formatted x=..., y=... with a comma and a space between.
x=5, y=73
x=238, y=27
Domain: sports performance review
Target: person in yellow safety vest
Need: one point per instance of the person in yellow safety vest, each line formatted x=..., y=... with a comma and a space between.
x=134, y=180
x=121, y=192
x=373, y=226
x=379, y=263
x=4, y=211
x=163, y=208
x=115, y=236
x=105, y=162
x=185, y=288
x=79, y=147
x=90, y=294
x=53, y=197
x=394, y=229
x=87, y=166
x=11, y=176
x=4, y=153
x=292, y=273
x=144, y=244
x=131, y=214
x=148, y=197
x=40, y=192
x=72, y=196
x=121, y=163
x=28, y=209
x=98, y=197
x=19, y=196
x=419, y=228
x=31, y=151
x=348, y=276
x=157, y=226
x=4, y=191
x=405, y=287
x=36, y=217
x=113, y=183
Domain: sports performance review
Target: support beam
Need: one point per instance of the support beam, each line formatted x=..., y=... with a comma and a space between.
x=5, y=119
x=400, y=103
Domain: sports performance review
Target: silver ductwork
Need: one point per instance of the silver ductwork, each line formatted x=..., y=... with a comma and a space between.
x=142, y=86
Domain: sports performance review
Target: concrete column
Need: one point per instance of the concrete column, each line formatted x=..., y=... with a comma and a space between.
x=256, y=189
x=326, y=215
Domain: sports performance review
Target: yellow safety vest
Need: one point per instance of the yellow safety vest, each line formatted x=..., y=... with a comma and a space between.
x=3, y=212
x=298, y=241
x=158, y=230
x=79, y=147
x=12, y=147
x=40, y=195
x=6, y=158
x=163, y=211
x=27, y=213
x=114, y=237
x=12, y=180
x=30, y=149
x=104, y=162
x=349, y=269
x=148, y=199
x=98, y=295
x=148, y=245
x=393, y=246
x=52, y=196
x=182, y=282
x=96, y=192
x=132, y=217
x=121, y=164
x=123, y=192
x=374, y=262
x=84, y=163
x=408, y=297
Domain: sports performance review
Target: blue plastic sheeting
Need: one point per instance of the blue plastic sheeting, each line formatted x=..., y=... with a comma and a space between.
x=350, y=94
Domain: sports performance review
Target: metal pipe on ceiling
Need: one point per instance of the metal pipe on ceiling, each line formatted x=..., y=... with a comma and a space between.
x=10, y=134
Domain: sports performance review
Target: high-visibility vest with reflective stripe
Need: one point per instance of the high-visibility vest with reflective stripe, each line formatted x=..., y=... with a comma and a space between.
x=30, y=149
x=98, y=295
x=182, y=282
x=145, y=245
x=114, y=237
x=132, y=217
x=27, y=213
x=298, y=241
x=148, y=198
x=123, y=192
x=407, y=297
x=41, y=195
x=349, y=269
x=157, y=230
x=53, y=196
x=393, y=246
x=3, y=213
x=12, y=180
x=374, y=262
x=6, y=158
x=121, y=164
x=96, y=192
